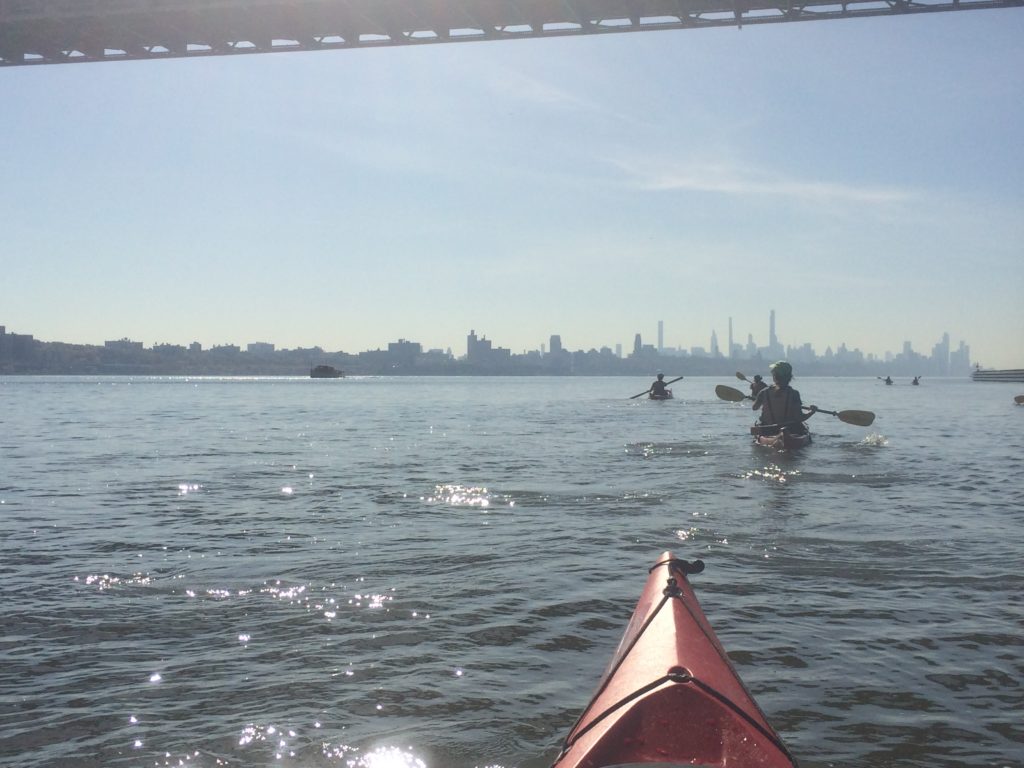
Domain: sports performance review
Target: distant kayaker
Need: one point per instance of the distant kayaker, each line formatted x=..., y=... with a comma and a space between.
x=757, y=385
x=888, y=380
x=917, y=381
x=659, y=388
x=780, y=404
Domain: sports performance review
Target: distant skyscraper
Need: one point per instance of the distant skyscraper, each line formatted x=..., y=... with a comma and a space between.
x=477, y=349
x=732, y=351
x=556, y=344
x=940, y=355
x=637, y=345
x=774, y=348
x=715, y=351
x=960, y=360
x=661, y=336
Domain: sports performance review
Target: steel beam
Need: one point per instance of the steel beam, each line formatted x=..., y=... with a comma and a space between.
x=66, y=31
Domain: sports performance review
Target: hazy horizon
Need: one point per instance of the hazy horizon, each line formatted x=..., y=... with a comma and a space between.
x=459, y=348
x=864, y=178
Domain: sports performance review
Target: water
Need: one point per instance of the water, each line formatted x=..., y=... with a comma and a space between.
x=393, y=573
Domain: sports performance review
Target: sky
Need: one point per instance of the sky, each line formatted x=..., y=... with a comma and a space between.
x=864, y=178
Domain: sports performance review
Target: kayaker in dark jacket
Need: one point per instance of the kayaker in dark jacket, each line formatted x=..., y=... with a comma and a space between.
x=659, y=388
x=780, y=404
x=757, y=385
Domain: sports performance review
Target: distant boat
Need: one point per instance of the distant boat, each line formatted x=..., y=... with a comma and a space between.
x=325, y=372
x=1014, y=374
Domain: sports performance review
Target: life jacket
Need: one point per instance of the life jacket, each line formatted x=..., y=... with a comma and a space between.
x=791, y=414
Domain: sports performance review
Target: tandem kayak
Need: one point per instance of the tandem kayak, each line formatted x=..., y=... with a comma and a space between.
x=782, y=441
x=670, y=695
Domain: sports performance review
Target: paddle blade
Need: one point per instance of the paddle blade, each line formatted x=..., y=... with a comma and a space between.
x=728, y=393
x=1019, y=399
x=740, y=376
x=857, y=418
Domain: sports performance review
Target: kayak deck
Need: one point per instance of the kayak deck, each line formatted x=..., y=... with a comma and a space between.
x=670, y=694
x=782, y=441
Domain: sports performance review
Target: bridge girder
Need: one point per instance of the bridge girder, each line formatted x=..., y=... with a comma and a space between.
x=65, y=31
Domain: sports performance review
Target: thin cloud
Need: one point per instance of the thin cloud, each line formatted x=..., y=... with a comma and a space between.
x=512, y=86
x=729, y=180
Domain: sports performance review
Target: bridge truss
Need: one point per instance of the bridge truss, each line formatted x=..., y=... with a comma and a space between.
x=64, y=31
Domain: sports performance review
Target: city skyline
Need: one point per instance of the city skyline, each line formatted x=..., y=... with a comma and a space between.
x=589, y=187
x=774, y=348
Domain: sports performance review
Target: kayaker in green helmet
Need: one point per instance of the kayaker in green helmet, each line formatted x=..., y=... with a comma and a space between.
x=780, y=404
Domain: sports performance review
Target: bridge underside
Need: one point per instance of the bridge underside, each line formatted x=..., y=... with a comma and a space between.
x=66, y=31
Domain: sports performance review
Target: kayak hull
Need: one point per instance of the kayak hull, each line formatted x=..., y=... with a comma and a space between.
x=783, y=441
x=670, y=694
x=666, y=396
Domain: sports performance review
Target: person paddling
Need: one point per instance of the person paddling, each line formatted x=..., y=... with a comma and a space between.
x=659, y=388
x=780, y=404
x=757, y=385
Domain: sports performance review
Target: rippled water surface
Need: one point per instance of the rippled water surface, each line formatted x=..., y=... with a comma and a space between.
x=382, y=573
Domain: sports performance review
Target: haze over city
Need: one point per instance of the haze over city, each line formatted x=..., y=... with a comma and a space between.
x=863, y=178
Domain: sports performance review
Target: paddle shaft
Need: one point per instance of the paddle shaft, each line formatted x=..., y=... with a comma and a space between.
x=858, y=418
x=641, y=394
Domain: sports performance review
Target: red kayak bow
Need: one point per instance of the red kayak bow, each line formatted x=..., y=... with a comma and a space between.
x=670, y=695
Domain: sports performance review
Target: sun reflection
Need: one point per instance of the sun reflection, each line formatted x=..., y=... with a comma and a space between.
x=387, y=757
x=462, y=496
x=772, y=473
x=106, y=581
x=372, y=601
x=685, y=534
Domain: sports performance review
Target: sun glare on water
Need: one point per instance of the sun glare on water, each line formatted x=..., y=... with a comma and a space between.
x=387, y=757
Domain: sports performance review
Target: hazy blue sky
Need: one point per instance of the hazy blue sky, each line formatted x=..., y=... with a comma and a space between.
x=864, y=178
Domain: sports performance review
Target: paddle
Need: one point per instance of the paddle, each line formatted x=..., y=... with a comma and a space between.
x=857, y=418
x=1019, y=399
x=634, y=397
x=730, y=394
x=741, y=377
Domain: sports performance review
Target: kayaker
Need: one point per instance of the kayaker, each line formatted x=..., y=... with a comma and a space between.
x=757, y=385
x=780, y=404
x=659, y=388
